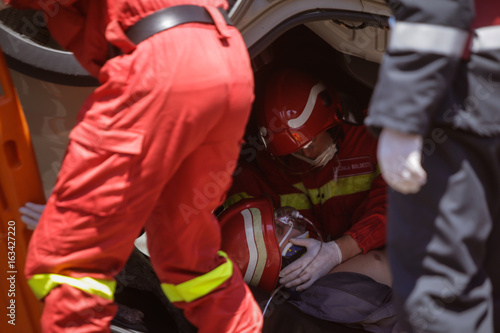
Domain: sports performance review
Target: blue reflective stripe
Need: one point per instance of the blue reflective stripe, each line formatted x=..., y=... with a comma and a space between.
x=428, y=38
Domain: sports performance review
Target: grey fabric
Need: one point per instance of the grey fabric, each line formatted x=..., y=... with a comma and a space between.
x=445, y=259
x=416, y=92
x=283, y=317
x=353, y=299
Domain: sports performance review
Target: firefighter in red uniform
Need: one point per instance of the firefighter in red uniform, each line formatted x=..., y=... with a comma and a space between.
x=177, y=93
x=354, y=295
x=320, y=165
x=436, y=107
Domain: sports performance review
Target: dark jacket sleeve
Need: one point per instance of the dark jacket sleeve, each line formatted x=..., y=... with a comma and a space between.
x=413, y=82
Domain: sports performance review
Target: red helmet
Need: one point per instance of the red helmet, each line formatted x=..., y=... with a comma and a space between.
x=248, y=237
x=296, y=108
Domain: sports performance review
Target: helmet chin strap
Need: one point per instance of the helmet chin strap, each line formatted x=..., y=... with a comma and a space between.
x=322, y=159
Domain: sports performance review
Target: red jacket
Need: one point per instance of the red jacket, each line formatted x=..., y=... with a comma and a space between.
x=347, y=196
x=88, y=27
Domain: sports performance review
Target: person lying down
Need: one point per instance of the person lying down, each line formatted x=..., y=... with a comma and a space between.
x=262, y=241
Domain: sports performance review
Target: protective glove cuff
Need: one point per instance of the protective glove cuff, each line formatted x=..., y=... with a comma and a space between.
x=334, y=249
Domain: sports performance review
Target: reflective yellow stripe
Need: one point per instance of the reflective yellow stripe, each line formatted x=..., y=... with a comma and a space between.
x=235, y=198
x=343, y=186
x=199, y=286
x=42, y=284
x=299, y=201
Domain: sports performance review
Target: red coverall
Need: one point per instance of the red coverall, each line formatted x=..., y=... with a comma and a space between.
x=347, y=196
x=155, y=146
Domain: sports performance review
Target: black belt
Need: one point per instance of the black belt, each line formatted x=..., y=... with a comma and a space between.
x=170, y=17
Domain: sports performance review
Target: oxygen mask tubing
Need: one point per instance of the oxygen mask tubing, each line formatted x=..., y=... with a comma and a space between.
x=289, y=223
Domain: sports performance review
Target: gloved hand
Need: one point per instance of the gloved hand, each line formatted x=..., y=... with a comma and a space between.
x=318, y=261
x=31, y=213
x=399, y=155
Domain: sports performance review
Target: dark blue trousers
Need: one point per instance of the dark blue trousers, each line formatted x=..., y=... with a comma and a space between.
x=444, y=241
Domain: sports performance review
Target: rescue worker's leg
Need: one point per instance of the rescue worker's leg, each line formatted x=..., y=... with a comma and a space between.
x=131, y=140
x=183, y=239
x=210, y=104
x=437, y=240
x=183, y=234
x=74, y=252
x=69, y=309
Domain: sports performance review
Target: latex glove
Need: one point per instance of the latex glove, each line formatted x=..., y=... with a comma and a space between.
x=318, y=261
x=399, y=155
x=31, y=213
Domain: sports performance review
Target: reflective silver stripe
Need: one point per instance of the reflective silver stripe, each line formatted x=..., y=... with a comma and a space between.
x=308, y=109
x=253, y=254
x=486, y=38
x=257, y=251
x=427, y=38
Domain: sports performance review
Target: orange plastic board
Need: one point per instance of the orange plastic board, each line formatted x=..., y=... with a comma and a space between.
x=19, y=183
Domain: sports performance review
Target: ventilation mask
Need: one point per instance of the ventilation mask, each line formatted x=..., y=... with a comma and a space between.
x=323, y=158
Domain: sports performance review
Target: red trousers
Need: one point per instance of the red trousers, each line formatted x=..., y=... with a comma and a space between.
x=155, y=147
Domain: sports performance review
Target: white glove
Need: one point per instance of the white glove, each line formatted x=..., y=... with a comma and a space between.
x=318, y=261
x=399, y=155
x=31, y=213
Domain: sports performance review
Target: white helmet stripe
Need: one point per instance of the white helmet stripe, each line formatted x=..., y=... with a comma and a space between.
x=256, y=246
x=252, y=249
x=306, y=113
x=261, y=246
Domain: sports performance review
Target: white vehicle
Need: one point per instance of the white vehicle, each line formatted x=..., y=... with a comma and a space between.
x=345, y=37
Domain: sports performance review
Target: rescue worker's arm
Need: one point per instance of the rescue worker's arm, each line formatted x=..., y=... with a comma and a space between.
x=348, y=246
x=57, y=13
x=76, y=17
x=369, y=220
x=428, y=41
x=400, y=156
